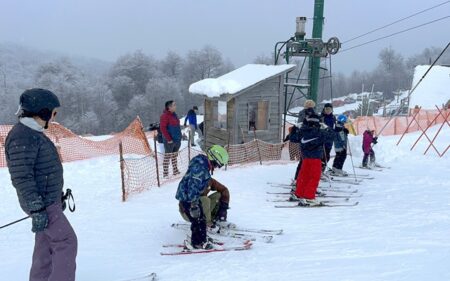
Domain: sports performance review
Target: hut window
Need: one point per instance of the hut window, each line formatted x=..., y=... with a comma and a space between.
x=220, y=115
x=258, y=113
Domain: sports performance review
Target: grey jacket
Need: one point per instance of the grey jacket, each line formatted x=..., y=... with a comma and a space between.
x=35, y=168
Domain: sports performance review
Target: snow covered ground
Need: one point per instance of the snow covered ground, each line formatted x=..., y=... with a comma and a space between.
x=399, y=231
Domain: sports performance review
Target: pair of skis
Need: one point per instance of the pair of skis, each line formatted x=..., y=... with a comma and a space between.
x=219, y=247
x=246, y=236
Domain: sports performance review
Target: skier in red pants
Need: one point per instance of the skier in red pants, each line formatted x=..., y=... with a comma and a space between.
x=312, y=140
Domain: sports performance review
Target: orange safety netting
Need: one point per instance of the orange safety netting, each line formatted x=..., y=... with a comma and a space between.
x=399, y=124
x=72, y=147
x=142, y=173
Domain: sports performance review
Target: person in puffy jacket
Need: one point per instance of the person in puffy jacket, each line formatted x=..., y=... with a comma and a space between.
x=171, y=133
x=312, y=141
x=369, y=154
x=327, y=117
x=193, y=186
x=37, y=175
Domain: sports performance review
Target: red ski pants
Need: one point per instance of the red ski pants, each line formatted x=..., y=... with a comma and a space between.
x=309, y=178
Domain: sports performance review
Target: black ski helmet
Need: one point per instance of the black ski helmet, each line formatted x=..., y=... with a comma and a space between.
x=39, y=102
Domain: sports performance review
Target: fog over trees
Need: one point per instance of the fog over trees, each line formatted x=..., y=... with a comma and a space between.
x=100, y=97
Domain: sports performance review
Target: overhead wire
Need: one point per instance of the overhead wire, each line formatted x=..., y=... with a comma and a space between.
x=393, y=34
x=397, y=21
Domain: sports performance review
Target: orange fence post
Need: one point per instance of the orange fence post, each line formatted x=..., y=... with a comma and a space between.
x=437, y=133
x=407, y=128
x=424, y=133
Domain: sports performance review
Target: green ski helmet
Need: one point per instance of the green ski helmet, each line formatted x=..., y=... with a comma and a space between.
x=218, y=154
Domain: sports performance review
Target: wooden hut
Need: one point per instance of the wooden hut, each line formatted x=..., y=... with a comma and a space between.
x=243, y=104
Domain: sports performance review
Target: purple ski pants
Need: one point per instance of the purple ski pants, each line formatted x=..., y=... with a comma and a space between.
x=55, y=249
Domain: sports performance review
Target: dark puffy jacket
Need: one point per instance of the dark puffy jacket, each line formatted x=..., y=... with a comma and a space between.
x=170, y=126
x=313, y=139
x=195, y=181
x=328, y=119
x=192, y=118
x=35, y=168
x=341, y=137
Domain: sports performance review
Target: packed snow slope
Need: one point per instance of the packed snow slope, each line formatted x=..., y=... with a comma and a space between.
x=399, y=231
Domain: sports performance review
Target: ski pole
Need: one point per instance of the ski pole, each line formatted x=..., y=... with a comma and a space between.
x=326, y=167
x=413, y=89
x=351, y=158
x=14, y=222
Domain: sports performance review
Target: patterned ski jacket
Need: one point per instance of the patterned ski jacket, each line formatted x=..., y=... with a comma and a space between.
x=195, y=181
x=341, y=138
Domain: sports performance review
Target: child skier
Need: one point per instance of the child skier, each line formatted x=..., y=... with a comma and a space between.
x=327, y=117
x=191, y=188
x=313, y=139
x=340, y=146
x=214, y=206
x=368, y=139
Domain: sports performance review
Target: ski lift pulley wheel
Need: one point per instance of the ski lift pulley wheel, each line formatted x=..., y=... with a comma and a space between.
x=333, y=45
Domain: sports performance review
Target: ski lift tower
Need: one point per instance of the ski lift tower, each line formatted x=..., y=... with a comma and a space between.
x=312, y=50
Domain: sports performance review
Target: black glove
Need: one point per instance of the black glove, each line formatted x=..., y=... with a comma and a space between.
x=222, y=212
x=39, y=220
x=195, y=211
x=375, y=140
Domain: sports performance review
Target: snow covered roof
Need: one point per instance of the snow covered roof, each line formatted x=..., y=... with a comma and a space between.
x=238, y=80
x=434, y=88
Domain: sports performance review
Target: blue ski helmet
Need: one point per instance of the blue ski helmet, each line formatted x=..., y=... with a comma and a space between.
x=342, y=118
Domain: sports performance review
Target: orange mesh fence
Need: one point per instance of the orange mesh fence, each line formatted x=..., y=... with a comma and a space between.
x=142, y=173
x=399, y=124
x=4, y=130
x=72, y=147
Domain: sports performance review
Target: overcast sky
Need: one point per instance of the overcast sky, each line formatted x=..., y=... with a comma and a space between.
x=240, y=29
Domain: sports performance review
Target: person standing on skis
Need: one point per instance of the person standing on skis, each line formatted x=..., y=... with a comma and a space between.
x=369, y=154
x=340, y=146
x=193, y=186
x=312, y=142
x=327, y=117
x=306, y=112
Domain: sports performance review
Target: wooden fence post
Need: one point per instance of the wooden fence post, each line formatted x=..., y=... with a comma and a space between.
x=156, y=162
x=122, y=172
x=257, y=146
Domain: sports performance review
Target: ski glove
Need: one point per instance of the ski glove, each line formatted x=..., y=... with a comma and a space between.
x=195, y=211
x=39, y=220
x=222, y=212
x=375, y=140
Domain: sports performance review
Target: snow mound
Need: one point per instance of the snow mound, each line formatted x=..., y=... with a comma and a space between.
x=434, y=88
x=238, y=80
